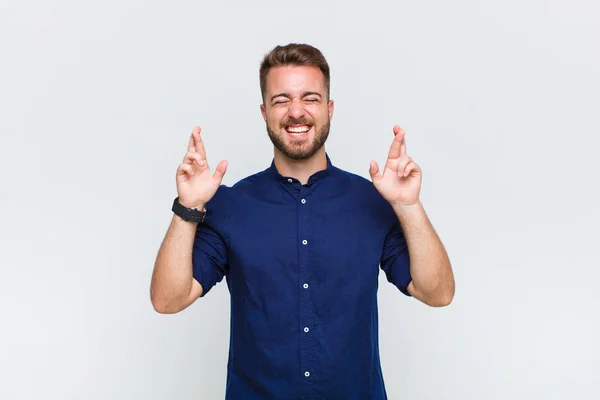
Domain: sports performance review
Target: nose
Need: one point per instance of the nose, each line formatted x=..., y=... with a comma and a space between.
x=296, y=109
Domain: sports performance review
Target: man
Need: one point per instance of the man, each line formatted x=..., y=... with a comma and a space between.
x=300, y=245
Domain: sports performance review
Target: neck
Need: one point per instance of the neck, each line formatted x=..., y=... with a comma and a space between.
x=301, y=169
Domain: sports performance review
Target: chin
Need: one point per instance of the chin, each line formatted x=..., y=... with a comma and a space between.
x=304, y=152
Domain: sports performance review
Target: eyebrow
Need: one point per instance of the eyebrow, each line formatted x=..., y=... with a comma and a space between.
x=303, y=95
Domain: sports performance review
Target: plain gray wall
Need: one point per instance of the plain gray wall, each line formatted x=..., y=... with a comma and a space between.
x=500, y=101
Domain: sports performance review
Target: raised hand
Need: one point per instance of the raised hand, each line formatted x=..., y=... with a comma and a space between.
x=400, y=182
x=195, y=183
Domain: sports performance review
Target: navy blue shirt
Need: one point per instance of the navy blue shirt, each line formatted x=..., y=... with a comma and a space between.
x=301, y=264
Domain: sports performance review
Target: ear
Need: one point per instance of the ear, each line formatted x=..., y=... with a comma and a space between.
x=263, y=111
x=330, y=107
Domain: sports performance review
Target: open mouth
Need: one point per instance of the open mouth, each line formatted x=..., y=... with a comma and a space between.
x=297, y=131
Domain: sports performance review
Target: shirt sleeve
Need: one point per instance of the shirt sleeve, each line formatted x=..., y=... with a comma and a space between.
x=209, y=257
x=395, y=260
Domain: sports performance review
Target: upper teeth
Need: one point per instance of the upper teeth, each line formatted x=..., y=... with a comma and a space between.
x=298, y=129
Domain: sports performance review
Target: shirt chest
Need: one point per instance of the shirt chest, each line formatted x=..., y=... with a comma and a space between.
x=333, y=239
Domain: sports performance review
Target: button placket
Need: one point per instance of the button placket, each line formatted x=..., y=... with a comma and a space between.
x=306, y=307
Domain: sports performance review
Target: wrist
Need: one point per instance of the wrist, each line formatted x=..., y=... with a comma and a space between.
x=406, y=209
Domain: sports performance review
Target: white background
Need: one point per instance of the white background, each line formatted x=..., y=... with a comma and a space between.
x=500, y=101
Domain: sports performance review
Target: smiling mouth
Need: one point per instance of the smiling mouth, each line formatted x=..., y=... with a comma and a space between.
x=297, y=130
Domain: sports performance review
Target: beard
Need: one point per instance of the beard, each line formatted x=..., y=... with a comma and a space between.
x=300, y=150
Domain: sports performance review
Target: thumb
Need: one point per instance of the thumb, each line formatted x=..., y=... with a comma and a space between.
x=220, y=171
x=374, y=171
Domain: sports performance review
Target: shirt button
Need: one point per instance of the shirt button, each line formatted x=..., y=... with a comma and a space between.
x=290, y=180
x=303, y=201
x=307, y=374
x=305, y=286
x=306, y=329
x=304, y=242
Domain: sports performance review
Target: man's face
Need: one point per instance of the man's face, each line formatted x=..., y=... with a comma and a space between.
x=296, y=110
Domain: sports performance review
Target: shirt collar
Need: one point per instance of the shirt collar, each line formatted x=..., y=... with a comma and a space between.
x=274, y=173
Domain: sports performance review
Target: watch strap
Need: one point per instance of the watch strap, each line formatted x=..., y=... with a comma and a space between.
x=186, y=213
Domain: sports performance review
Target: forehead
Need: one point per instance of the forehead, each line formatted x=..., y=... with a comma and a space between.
x=295, y=79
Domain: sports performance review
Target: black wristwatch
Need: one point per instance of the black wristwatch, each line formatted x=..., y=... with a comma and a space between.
x=188, y=214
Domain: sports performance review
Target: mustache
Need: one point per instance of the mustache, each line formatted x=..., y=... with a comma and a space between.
x=294, y=121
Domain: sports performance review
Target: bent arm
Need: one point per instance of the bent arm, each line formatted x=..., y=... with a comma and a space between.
x=432, y=276
x=173, y=287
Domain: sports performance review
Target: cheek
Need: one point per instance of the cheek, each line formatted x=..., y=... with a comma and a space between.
x=319, y=115
x=273, y=121
x=275, y=116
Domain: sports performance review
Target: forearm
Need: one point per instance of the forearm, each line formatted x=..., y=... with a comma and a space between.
x=430, y=267
x=172, y=277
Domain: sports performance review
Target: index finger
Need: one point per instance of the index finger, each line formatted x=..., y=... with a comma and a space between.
x=400, y=131
x=398, y=147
